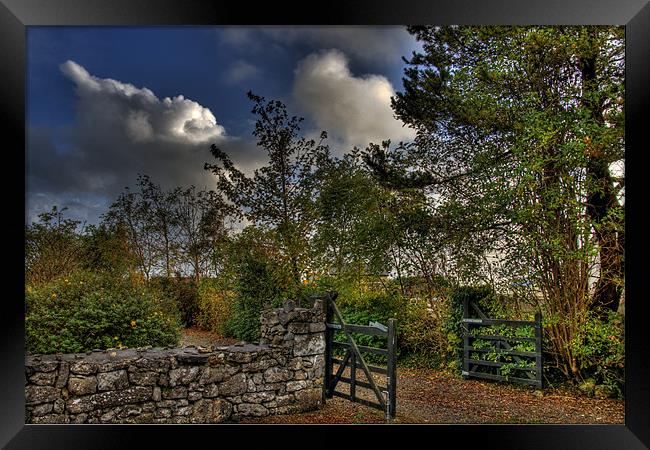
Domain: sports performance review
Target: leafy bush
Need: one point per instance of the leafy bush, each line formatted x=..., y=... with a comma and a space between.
x=184, y=294
x=259, y=280
x=423, y=341
x=87, y=311
x=215, y=306
x=600, y=350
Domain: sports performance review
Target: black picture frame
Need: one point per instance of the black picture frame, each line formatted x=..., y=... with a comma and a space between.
x=16, y=15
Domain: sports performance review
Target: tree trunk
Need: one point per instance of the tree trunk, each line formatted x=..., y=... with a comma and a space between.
x=601, y=200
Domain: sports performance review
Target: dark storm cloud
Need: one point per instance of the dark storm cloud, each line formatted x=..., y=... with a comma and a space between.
x=370, y=44
x=119, y=132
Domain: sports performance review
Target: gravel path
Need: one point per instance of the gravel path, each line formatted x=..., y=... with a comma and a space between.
x=427, y=396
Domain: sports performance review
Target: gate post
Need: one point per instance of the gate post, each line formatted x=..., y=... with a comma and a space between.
x=538, y=349
x=465, y=328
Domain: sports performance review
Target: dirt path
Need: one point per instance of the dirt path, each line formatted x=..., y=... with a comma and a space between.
x=202, y=338
x=428, y=396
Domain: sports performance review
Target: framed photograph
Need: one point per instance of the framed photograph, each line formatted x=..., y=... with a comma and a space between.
x=167, y=138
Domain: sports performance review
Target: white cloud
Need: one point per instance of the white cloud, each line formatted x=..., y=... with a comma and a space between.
x=119, y=131
x=354, y=108
x=143, y=116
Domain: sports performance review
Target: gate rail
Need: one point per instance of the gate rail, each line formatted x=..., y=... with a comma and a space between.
x=500, y=345
x=354, y=360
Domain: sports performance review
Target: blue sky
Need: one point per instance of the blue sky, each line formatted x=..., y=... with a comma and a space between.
x=106, y=103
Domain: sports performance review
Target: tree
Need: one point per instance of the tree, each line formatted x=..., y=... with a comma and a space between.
x=517, y=128
x=201, y=217
x=164, y=220
x=52, y=247
x=107, y=249
x=134, y=214
x=278, y=195
x=347, y=215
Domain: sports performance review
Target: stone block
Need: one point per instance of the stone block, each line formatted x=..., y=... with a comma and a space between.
x=63, y=374
x=43, y=378
x=110, y=381
x=215, y=374
x=155, y=365
x=194, y=395
x=309, y=344
x=298, y=327
x=211, y=411
x=258, y=397
x=59, y=406
x=82, y=385
x=211, y=390
x=42, y=409
x=276, y=374
x=51, y=418
x=174, y=392
x=235, y=385
x=143, y=378
x=297, y=385
x=41, y=394
x=252, y=409
x=108, y=399
x=82, y=367
x=183, y=375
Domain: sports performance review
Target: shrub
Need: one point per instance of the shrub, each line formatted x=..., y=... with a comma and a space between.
x=183, y=293
x=214, y=305
x=423, y=341
x=87, y=311
x=259, y=280
x=600, y=350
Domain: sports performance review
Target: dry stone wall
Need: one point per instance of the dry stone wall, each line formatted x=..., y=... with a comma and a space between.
x=282, y=374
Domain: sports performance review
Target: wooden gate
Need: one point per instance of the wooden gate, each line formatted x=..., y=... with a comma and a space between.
x=494, y=355
x=353, y=360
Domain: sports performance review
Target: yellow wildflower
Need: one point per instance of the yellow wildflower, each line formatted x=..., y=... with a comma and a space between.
x=133, y=324
x=53, y=295
x=29, y=289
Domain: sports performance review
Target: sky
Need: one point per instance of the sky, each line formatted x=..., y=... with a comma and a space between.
x=107, y=103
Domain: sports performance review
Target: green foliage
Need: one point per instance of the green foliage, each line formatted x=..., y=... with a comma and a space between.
x=106, y=249
x=361, y=306
x=279, y=195
x=52, y=247
x=259, y=281
x=600, y=349
x=516, y=130
x=183, y=293
x=85, y=311
x=422, y=339
x=215, y=305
